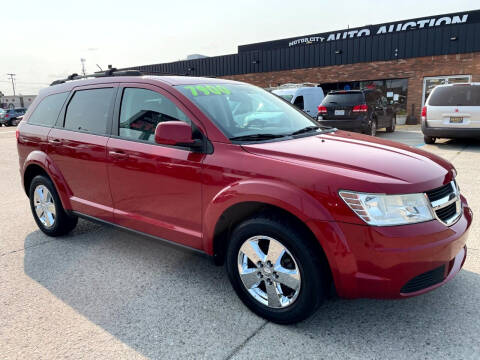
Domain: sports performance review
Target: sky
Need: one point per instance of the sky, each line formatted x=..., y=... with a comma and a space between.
x=45, y=40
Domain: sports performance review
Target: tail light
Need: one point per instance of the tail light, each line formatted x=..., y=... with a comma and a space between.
x=360, y=108
x=6, y=116
x=17, y=133
x=424, y=113
x=322, y=109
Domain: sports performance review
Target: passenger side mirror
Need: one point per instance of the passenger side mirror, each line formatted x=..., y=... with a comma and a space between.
x=176, y=133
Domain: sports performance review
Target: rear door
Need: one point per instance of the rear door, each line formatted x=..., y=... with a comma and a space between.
x=454, y=106
x=156, y=189
x=77, y=146
x=380, y=109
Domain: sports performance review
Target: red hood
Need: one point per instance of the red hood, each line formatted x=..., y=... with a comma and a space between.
x=374, y=164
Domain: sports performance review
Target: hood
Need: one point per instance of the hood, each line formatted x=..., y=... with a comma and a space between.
x=371, y=164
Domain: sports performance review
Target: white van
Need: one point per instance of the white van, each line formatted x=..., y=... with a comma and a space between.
x=452, y=111
x=306, y=98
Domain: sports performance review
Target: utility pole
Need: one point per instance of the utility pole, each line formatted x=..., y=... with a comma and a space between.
x=83, y=66
x=12, y=77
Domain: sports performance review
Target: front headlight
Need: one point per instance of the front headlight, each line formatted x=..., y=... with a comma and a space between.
x=388, y=210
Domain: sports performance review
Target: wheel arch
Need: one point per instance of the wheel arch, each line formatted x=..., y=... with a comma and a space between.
x=39, y=163
x=242, y=211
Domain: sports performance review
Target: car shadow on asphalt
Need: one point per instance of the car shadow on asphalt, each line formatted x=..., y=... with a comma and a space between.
x=166, y=302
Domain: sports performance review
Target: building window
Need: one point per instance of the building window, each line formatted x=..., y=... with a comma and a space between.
x=394, y=91
x=429, y=83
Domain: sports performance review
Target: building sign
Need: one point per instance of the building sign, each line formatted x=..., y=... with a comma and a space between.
x=414, y=24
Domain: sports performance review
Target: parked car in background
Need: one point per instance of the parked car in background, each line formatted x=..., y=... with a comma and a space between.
x=357, y=110
x=452, y=111
x=292, y=209
x=12, y=117
x=306, y=98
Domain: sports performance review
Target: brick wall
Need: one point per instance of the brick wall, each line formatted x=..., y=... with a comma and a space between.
x=414, y=69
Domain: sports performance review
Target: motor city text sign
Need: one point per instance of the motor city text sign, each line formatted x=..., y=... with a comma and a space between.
x=383, y=29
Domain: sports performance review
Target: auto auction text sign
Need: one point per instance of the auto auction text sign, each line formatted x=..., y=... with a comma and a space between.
x=370, y=30
x=383, y=29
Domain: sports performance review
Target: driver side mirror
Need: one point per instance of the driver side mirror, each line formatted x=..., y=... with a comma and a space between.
x=176, y=133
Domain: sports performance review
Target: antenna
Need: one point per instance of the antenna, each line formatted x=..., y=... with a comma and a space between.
x=99, y=67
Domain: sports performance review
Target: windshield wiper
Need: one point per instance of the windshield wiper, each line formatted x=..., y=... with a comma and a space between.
x=305, y=130
x=255, y=137
x=315, y=128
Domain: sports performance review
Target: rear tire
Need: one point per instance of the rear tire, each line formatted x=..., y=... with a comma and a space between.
x=285, y=290
x=372, y=128
x=391, y=128
x=429, y=139
x=47, y=208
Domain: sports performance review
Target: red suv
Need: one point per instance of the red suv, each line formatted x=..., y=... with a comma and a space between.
x=293, y=209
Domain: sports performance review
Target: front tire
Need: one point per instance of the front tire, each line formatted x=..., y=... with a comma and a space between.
x=47, y=208
x=274, y=270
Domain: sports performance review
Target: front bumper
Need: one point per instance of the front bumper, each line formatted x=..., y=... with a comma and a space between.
x=450, y=133
x=379, y=262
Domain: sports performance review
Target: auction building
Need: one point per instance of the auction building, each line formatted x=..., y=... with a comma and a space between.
x=403, y=59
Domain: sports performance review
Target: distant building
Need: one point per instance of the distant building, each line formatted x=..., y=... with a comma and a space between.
x=17, y=101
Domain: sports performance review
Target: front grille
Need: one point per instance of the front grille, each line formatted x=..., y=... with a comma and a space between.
x=447, y=212
x=424, y=280
x=439, y=193
x=445, y=201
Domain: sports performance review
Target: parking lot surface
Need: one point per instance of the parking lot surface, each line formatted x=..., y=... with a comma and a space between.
x=102, y=293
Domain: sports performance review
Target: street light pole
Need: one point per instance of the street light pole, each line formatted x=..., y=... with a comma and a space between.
x=83, y=66
x=12, y=76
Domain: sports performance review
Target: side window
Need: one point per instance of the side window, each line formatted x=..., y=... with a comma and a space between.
x=142, y=110
x=47, y=111
x=89, y=110
x=299, y=102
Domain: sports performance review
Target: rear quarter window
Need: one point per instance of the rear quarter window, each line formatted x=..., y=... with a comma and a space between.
x=456, y=95
x=89, y=110
x=343, y=99
x=46, y=113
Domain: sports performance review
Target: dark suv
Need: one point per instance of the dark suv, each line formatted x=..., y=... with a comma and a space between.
x=12, y=117
x=357, y=110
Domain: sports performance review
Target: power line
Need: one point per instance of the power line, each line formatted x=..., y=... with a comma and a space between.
x=12, y=77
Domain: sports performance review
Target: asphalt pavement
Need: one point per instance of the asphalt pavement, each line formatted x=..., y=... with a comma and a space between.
x=100, y=293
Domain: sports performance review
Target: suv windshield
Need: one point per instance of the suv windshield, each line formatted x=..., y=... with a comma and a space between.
x=456, y=95
x=344, y=99
x=242, y=110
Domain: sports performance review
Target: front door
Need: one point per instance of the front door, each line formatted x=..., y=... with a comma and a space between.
x=156, y=189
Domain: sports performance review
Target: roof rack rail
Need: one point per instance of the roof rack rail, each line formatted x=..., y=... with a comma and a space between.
x=110, y=72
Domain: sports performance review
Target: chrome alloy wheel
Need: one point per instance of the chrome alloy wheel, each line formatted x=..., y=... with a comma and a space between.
x=44, y=206
x=269, y=272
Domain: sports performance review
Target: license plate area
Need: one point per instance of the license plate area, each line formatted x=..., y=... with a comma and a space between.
x=456, y=120
x=339, y=112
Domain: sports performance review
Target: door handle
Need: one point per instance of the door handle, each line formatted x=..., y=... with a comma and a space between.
x=118, y=155
x=55, y=141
